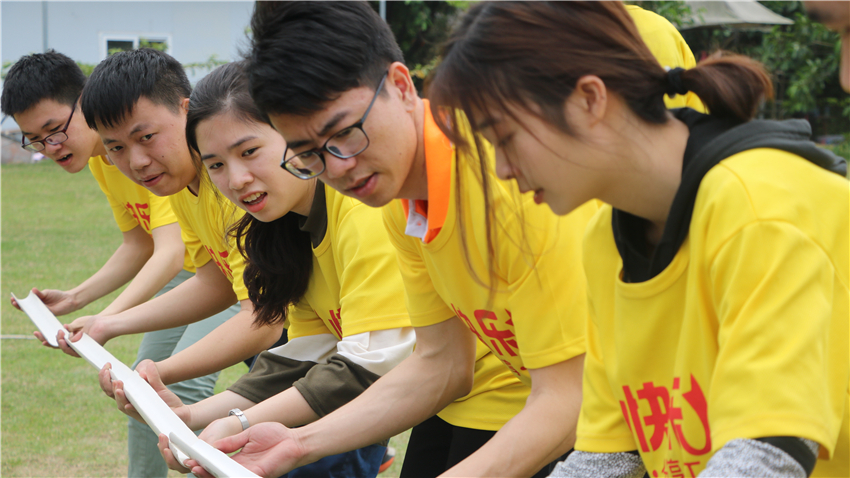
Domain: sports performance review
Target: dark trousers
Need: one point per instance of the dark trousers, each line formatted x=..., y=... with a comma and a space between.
x=360, y=463
x=435, y=446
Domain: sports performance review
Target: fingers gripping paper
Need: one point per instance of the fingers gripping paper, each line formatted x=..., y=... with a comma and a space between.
x=183, y=443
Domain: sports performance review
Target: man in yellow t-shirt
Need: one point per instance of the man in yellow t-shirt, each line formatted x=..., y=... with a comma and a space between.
x=142, y=125
x=523, y=299
x=41, y=92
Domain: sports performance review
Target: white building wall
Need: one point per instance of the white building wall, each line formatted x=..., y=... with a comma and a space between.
x=197, y=30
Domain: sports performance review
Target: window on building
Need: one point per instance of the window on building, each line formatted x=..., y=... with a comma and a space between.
x=111, y=43
x=114, y=46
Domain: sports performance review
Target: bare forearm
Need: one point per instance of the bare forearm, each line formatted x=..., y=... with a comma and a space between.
x=121, y=267
x=233, y=341
x=533, y=438
x=204, y=412
x=539, y=434
x=191, y=301
x=163, y=265
x=288, y=407
x=416, y=389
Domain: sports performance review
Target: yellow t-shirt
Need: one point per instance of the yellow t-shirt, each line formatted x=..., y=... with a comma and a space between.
x=355, y=272
x=132, y=205
x=668, y=46
x=536, y=317
x=743, y=335
x=204, y=220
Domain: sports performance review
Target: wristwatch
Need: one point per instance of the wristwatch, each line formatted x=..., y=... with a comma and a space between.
x=241, y=417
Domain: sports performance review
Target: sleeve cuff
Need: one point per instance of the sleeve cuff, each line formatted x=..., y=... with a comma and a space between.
x=329, y=386
x=271, y=375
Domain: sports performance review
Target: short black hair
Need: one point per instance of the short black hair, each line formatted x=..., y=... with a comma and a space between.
x=117, y=83
x=40, y=76
x=306, y=54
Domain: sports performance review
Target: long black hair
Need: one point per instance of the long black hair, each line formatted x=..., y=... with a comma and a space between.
x=278, y=255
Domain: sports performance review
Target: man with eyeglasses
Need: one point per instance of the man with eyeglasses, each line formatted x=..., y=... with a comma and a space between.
x=41, y=92
x=499, y=327
x=353, y=118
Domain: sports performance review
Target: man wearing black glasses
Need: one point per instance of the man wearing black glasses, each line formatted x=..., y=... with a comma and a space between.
x=346, y=105
x=41, y=93
x=499, y=328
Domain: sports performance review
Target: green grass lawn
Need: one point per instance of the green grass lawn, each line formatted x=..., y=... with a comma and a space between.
x=57, y=229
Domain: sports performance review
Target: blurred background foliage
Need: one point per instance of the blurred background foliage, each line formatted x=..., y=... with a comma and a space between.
x=802, y=58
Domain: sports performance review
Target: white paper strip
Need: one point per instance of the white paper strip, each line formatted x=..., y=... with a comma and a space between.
x=153, y=409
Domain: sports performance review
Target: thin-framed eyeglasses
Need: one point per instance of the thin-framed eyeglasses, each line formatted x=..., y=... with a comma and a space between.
x=58, y=137
x=344, y=144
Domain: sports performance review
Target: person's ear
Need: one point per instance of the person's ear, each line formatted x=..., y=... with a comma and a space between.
x=399, y=79
x=589, y=100
x=184, y=105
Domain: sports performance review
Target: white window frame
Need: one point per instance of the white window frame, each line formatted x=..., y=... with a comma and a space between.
x=105, y=37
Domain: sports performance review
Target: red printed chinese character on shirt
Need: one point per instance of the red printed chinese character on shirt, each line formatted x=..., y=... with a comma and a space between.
x=492, y=336
x=222, y=264
x=335, y=318
x=658, y=398
x=696, y=399
x=139, y=213
x=663, y=415
x=503, y=337
x=672, y=469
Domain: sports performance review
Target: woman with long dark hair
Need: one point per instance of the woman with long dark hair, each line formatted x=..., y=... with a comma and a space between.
x=316, y=260
x=718, y=273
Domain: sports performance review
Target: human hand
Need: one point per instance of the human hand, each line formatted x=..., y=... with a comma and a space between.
x=96, y=326
x=59, y=302
x=268, y=449
x=87, y=324
x=221, y=428
x=60, y=339
x=123, y=402
x=147, y=371
x=44, y=341
x=169, y=457
x=105, y=380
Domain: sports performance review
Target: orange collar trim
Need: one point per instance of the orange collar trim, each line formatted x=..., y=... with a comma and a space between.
x=438, y=168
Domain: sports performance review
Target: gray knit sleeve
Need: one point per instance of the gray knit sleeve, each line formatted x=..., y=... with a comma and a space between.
x=582, y=464
x=754, y=458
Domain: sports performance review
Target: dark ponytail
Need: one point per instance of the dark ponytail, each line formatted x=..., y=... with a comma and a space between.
x=278, y=255
x=730, y=86
x=533, y=53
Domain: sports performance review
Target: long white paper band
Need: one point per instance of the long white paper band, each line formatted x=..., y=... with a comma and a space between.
x=183, y=443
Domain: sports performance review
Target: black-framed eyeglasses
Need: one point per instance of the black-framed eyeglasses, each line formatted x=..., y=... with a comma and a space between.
x=58, y=137
x=344, y=144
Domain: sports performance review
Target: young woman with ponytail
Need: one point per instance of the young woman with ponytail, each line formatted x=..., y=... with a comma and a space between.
x=718, y=273
x=317, y=260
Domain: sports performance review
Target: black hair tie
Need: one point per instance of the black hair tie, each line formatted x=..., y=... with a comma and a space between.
x=674, y=82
